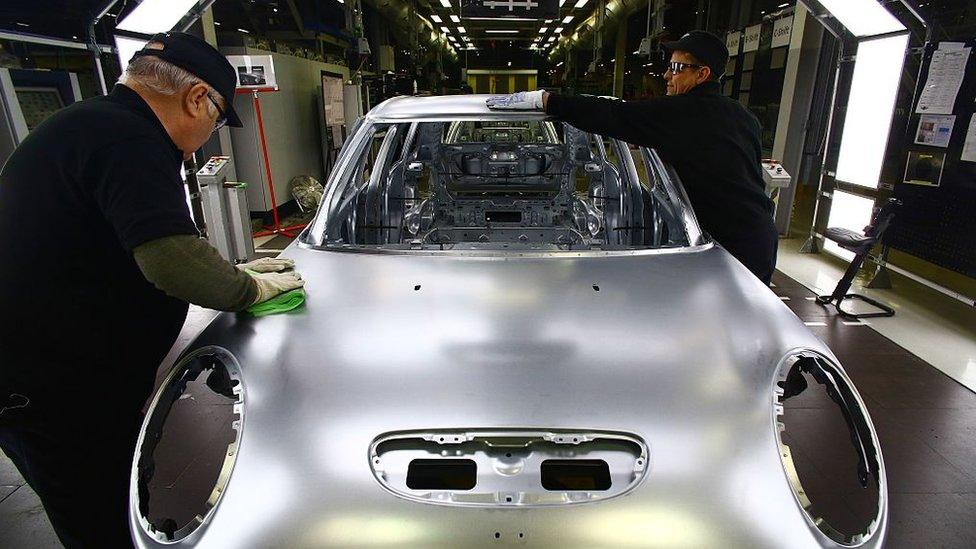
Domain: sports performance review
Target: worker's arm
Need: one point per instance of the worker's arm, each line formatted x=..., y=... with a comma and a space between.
x=645, y=123
x=187, y=267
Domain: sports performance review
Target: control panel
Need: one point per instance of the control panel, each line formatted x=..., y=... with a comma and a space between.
x=213, y=166
x=774, y=175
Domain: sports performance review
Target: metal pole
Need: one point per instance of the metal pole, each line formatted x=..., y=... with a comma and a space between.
x=93, y=44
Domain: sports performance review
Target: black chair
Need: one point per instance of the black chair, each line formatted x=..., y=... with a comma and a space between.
x=861, y=245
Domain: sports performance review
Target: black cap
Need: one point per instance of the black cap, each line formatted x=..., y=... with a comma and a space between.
x=203, y=61
x=706, y=47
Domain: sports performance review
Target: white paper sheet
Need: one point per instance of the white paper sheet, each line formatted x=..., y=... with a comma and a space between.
x=935, y=130
x=969, y=148
x=946, y=72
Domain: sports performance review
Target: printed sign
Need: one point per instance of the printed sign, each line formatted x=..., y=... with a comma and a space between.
x=934, y=130
x=782, y=29
x=750, y=42
x=254, y=71
x=523, y=9
x=924, y=168
x=732, y=41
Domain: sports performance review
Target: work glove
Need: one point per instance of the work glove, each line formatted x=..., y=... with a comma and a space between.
x=521, y=101
x=267, y=265
x=273, y=284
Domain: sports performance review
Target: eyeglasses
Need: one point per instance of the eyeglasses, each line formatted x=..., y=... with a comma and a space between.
x=221, y=115
x=676, y=67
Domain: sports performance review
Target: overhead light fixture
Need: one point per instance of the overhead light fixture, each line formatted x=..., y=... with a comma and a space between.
x=446, y=3
x=581, y=3
x=559, y=64
x=543, y=30
x=245, y=31
x=509, y=63
x=496, y=31
x=462, y=31
x=568, y=19
x=436, y=18
x=455, y=18
x=863, y=17
x=874, y=90
x=551, y=38
x=561, y=2
x=445, y=30
x=152, y=16
x=216, y=23
x=558, y=30
x=549, y=21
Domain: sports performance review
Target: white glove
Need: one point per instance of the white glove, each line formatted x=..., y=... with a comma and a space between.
x=272, y=284
x=267, y=265
x=521, y=101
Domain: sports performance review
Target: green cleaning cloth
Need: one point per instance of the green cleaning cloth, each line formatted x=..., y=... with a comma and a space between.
x=282, y=303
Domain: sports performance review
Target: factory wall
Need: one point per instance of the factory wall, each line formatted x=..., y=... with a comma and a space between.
x=291, y=126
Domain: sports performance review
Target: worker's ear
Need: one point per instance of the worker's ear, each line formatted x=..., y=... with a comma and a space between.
x=196, y=103
x=704, y=75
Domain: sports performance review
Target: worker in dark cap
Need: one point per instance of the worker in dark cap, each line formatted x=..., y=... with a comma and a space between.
x=99, y=260
x=712, y=141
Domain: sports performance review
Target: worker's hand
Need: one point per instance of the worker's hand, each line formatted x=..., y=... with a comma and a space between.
x=273, y=284
x=521, y=101
x=267, y=265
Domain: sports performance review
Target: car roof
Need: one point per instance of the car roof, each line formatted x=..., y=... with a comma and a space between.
x=445, y=108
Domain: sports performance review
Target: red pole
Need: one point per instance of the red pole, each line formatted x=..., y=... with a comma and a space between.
x=267, y=162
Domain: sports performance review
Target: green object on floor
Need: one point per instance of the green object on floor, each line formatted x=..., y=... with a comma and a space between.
x=283, y=303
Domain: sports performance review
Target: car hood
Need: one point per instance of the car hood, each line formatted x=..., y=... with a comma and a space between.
x=677, y=348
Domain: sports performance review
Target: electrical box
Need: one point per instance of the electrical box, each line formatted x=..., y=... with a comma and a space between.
x=646, y=47
x=775, y=176
x=225, y=211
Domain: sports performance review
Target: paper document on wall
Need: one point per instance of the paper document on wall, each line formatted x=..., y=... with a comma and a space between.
x=969, y=148
x=946, y=72
x=935, y=130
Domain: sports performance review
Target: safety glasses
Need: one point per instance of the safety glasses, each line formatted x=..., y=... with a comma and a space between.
x=676, y=67
x=221, y=115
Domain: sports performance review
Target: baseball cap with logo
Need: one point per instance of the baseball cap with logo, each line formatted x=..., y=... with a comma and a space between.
x=200, y=59
x=706, y=47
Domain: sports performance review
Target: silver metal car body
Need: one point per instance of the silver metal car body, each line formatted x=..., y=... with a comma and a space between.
x=678, y=350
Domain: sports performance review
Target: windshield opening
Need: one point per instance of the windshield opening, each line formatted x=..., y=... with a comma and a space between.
x=498, y=185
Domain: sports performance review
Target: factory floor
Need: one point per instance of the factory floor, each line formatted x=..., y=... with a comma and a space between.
x=912, y=371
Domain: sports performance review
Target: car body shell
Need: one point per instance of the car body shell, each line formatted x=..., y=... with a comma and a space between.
x=679, y=347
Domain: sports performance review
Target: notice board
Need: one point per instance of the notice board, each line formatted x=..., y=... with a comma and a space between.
x=938, y=188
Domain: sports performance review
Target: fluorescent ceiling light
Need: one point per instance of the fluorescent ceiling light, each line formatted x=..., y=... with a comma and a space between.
x=494, y=31
x=455, y=18
x=581, y=3
x=543, y=30
x=446, y=3
x=551, y=38
x=436, y=18
x=863, y=17
x=568, y=19
x=558, y=30
x=849, y=211
x=561, y=2
x=549, y=21
x=445, y=30
x=874, y=89
x=152, y=16
x=559, y=64
x=462, y=30
x=127, y=47
x=245, y=31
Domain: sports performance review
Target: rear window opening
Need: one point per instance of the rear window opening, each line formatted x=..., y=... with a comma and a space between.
x=575, y=474
x=442, y=474
x=189, y=444
x=828, y=449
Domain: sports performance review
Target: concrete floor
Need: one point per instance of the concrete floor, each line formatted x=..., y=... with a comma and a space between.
x=926, y=420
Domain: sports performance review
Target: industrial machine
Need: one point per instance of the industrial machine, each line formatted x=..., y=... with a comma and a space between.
x=225, y=211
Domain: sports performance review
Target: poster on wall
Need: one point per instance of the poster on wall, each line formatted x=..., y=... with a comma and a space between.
x=750, y=42
x=254, y=71
x=782, y=30
x=924, y=168
x=969, y=146
x=332, y=105
x=934, y=130
x=732, y=41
